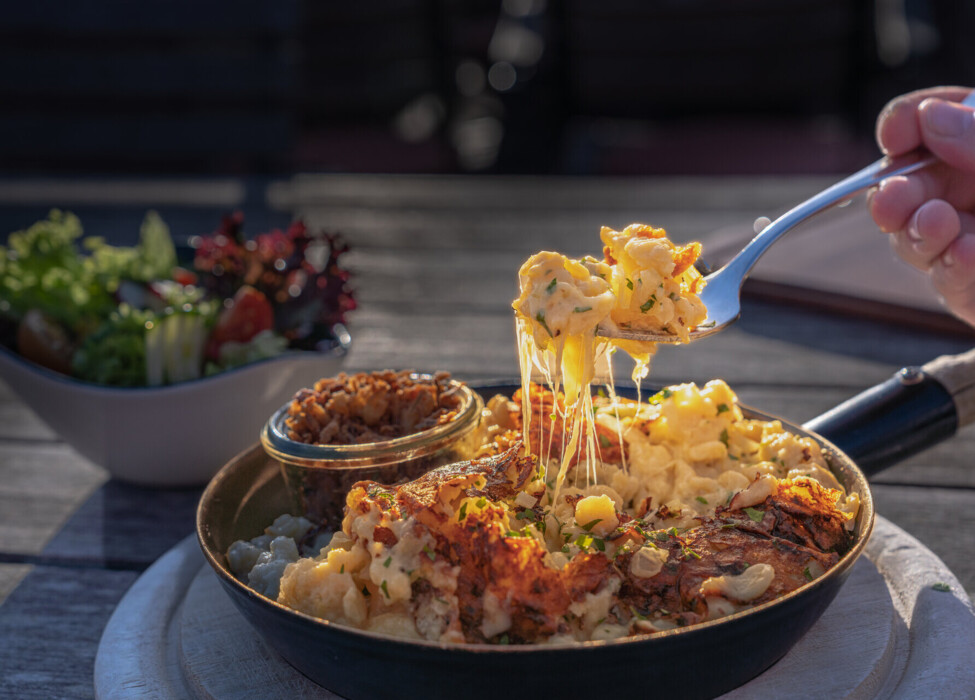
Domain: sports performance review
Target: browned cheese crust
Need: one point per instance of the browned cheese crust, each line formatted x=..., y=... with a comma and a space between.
x=794, y=528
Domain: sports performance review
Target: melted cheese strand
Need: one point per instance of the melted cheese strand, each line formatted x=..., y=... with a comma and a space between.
x=615, y=402
x=644, y=282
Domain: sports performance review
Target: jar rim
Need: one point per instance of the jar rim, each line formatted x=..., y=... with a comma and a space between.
x=279, y=446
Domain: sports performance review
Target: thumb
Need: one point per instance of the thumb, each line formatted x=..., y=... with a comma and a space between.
x=948, y=130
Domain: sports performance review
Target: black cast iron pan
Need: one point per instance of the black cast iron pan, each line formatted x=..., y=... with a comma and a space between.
x=915, y=409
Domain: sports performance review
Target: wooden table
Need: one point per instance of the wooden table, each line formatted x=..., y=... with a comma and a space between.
x=435, y=262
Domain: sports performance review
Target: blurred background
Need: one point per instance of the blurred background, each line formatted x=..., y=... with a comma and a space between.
x=257, y=89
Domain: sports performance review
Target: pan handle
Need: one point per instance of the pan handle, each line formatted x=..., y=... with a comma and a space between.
x=913, y=410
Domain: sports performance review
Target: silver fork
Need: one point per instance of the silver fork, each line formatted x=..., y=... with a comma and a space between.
x=722, y=294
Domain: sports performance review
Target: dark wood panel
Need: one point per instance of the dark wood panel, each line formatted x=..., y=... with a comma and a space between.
x=51, y=625
x=119, y=137
x=571, y=231
x=150, y=17
x=10, y=576
x=43, y=483
x=647, y=60
x=123, y=526
x=161, y=74
x=539, y=195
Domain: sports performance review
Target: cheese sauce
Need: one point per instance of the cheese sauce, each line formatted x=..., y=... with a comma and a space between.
x=644, y=282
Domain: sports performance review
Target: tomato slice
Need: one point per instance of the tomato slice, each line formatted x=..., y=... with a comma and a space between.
x=250, y=313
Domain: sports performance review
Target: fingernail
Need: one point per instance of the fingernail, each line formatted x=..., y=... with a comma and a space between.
x=870, y=193
x=912, y=230
x=946, y=120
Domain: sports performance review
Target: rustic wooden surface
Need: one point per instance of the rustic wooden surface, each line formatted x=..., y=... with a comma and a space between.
x=435, y=262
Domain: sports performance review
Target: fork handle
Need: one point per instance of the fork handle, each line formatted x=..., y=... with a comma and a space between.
x=871, y=175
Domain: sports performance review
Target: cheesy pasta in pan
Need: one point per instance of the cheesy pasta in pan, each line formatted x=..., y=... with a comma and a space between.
x=581, y=516
x=712, y=513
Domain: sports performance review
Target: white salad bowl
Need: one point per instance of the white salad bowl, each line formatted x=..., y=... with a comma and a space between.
x=176, y=435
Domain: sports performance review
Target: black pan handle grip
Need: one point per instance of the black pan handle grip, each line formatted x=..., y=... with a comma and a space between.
x=913, y=410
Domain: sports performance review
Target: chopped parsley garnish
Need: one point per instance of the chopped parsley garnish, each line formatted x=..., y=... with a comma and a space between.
x=673, y=531
x=722, y=407
x=429, y=552
x=702, y=499
x=540, y=317
x=527, y=514
x=660, y=396
x=551, y=286
x=728, y=526
x=463, y=511
x=516, y=533
x=342, y=570
x=591, y=524
x=942, y=587
x=581, y=309
x=629, y=283
x=661, y=536
x=389, y=560
x=649, y=304
x=688, y=553
x=731, y=456
x=755, y=514
x=604, y=441
x=807, y=574
x=584, y=541
x=724, y=437
x=383, y=586
x=599, y=544
x=503, y=639
x=674, y=296
x=481, y=502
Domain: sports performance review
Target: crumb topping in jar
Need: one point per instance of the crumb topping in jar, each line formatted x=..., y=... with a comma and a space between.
x=371, y=407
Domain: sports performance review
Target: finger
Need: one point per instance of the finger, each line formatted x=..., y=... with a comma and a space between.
x=953, y=275
x=894, y=202
x=930, y=232
x=897, y=126
x=948, y=131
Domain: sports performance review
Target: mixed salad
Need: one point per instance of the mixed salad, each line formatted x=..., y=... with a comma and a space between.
x=134, y=316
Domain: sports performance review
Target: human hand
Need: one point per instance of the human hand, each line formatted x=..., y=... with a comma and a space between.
x=930, y=214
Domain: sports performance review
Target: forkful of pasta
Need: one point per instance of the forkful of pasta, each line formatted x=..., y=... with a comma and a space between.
x=720, y=291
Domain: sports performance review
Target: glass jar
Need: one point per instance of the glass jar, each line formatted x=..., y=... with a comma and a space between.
x=319, y=477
